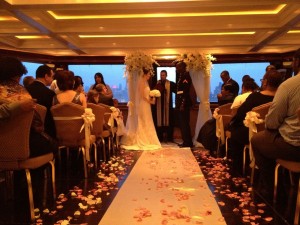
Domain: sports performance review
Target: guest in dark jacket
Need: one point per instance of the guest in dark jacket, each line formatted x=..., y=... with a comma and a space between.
x=239, y=132
x=43, y=95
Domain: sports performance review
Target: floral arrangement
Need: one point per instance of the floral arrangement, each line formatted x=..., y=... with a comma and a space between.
x=136, y=61
x=197, y=62
x=154, y=93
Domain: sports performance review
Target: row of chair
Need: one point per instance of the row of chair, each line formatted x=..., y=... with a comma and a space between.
x=223, y=119
x=14, y=139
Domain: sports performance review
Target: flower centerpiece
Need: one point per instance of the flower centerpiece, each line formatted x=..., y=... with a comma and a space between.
x=137, y=61
x=197, y=62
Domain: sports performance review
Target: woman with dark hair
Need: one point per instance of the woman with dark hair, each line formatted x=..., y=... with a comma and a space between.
x=100, y=80
x=15, y=99
x=141, y=133
x=78, y=84
x=65, y=83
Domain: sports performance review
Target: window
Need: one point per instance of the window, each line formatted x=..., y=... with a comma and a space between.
x=236, y=71
x=114, y=75
x=31, y=68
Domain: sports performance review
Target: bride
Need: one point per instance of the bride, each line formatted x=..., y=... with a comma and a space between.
x=141, y=133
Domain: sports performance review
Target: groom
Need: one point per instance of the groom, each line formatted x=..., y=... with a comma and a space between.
x=183, y=104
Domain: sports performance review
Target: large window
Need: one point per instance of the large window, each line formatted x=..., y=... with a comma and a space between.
x=236, y=71
x=31, y=68
x=114, y=75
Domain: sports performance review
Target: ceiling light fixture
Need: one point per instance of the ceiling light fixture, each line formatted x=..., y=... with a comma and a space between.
x=31, y=37
x=294, y=32
x=166, y=15
x=165, y=35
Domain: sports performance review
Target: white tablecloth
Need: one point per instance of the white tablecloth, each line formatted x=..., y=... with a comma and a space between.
x=164, y=187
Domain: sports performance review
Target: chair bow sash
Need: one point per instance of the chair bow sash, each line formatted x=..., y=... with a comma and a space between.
x=219, y=125
x=88, y=118
x=251, y=119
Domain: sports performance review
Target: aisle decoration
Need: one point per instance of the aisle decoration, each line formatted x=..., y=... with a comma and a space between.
x=250, y=121
x=88, y=117
x=199, y=66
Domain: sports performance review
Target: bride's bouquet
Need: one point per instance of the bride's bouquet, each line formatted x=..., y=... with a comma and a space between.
x=154, y=93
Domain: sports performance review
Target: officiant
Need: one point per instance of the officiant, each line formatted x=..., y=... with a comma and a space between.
x=164, y=108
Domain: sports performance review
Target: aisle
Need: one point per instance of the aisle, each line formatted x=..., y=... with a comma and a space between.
x=165, y=187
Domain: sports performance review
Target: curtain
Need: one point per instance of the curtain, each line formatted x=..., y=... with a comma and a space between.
x=201, y=83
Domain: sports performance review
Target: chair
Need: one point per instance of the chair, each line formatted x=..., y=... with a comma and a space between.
x=15, y=152
x=223, y=117
x=42, y=110
x=113, y=140
x=292, y=167
x=68, y=122
x=98, y=125
x=254, y=127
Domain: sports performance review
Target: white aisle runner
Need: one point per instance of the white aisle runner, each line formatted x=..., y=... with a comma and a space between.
x=165, y=187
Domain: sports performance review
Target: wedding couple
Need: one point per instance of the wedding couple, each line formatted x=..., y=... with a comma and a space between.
x=141, y=133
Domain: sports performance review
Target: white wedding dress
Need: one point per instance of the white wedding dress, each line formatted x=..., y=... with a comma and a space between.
x=141, y=133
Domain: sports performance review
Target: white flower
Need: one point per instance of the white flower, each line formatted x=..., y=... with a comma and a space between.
x=197, y=62
x=137, y=61
x=154, y=93
x=252, y=117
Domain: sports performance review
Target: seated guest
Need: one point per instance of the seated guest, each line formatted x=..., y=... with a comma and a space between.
x=44, y=96
x=78, y=85
x=103, y=97
x=99, y=79
x=227, y=95
x=27, y=81
x=239, y=133
x=14, y=97
x=281, y=138
x=248, y=87
x=65, y=83
x=93, y=96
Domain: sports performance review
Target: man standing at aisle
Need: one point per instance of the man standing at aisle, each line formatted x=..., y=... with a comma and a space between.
x=183, y=104
x=227, y=80
x=164, y=107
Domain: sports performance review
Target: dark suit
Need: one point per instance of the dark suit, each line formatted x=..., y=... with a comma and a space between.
x=44, y=96
x=183, y=105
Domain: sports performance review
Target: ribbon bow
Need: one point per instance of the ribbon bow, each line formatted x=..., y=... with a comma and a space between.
x=88, y=118
x=250, y=121
x=219, y=125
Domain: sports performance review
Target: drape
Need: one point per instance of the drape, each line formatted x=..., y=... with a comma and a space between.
x=201, y=82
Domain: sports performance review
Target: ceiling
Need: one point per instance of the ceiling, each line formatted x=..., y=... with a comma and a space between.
x=162, y=28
